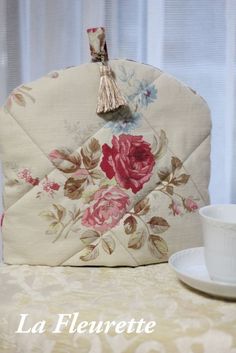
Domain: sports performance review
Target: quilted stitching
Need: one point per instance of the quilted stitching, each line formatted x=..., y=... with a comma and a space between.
x=134, y=260
x=148, y=194
x=52, y=170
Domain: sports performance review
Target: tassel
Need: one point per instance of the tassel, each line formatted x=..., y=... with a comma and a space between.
x=109, y=95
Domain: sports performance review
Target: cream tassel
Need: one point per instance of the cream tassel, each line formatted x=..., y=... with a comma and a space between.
x=109, y=95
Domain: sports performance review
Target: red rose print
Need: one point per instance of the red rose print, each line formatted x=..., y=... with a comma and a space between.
x=129, y=160
x=111, y=204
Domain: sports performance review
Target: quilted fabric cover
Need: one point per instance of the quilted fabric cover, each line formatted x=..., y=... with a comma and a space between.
x=82, y=190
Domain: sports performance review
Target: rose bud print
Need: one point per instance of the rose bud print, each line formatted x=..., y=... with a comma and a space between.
x=54, y=154
x=175, y=208
x=190, y=205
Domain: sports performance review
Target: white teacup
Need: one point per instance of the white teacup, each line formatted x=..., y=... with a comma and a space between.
x=219, y=234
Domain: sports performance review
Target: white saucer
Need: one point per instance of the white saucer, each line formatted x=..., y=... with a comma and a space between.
x=190, y=267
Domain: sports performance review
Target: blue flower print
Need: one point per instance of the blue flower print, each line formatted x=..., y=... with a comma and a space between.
x=147, y=94
x=125, y=125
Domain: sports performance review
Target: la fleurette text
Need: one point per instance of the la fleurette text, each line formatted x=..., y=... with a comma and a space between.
x=71, y=324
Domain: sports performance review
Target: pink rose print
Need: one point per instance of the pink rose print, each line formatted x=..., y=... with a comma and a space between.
x=26, y=175
x=50, y=186
x=111, y=204
x=46, y=185
x=129, y=160
x=33, y=181
x=190, y=205
x=175, y=208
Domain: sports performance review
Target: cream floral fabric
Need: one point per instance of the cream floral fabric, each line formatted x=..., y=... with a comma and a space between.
x=83, y=190
x=187, y=321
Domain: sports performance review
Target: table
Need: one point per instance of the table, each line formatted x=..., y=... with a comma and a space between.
x=186, y=320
